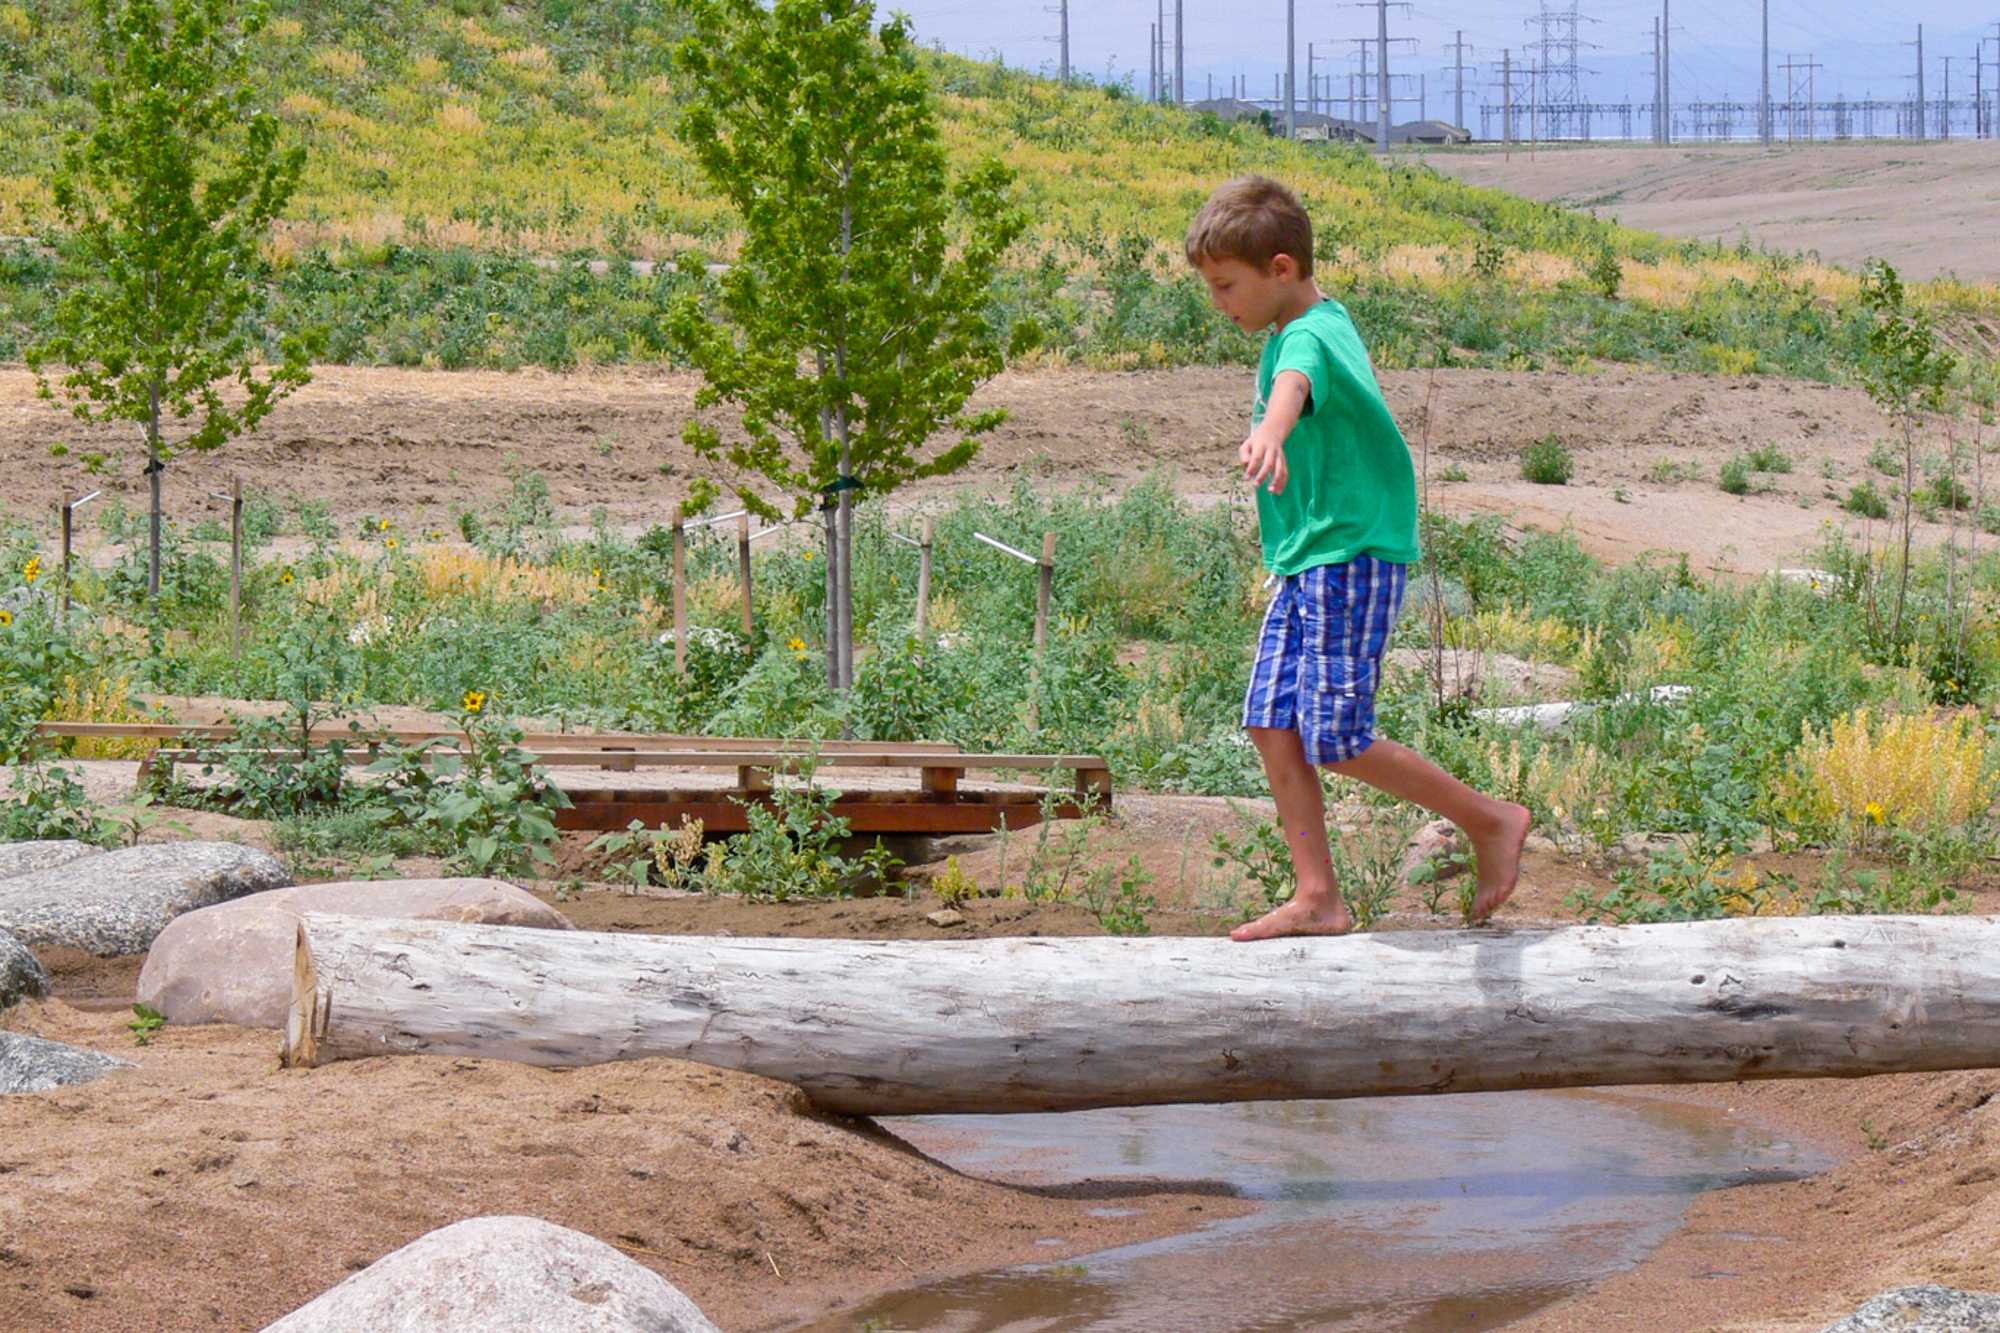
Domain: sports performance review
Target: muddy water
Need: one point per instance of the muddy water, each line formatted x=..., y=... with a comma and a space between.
x=1403, y=1215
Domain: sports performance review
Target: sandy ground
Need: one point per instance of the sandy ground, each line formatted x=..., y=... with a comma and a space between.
x=1926, y=208
x=413, y=446
x=209, y=1189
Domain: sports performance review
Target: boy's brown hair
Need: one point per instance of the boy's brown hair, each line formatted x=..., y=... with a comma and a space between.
x=1253, y=219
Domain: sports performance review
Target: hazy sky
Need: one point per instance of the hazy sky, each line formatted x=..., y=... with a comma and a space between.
x=1862, y=48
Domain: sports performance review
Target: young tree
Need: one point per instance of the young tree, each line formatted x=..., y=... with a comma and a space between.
x=164, y=202
x=856, y=325
x=1907, y=371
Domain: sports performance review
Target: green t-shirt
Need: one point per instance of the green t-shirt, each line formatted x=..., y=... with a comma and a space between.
x=1353, y=489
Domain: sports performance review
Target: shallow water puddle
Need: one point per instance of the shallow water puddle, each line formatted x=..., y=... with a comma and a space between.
x=1404, y=1215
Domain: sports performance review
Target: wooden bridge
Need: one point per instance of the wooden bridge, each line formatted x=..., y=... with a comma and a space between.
x=613, y=779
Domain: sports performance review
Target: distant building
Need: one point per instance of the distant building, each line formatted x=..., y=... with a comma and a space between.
x=1315, y=127
x=1430, y=132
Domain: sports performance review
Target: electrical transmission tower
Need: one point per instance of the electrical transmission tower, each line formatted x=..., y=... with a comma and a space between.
x=1564, y=113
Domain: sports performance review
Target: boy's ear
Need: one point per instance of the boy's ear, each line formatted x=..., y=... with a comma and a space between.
x=1284, y=267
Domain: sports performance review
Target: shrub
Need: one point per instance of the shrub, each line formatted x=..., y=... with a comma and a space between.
x=1769, y=458
x=1949, y=493
x=1547, y=462
x=1908, y=771
x=1866, y=501
x=1734, y=477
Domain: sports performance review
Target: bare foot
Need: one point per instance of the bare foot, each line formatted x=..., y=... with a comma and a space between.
x=1499, y=853
x=1296, y=918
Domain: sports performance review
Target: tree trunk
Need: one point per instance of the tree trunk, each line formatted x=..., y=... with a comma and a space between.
x=844, y=526
x=155, y=465
x=898, y=1027
x=832, y=598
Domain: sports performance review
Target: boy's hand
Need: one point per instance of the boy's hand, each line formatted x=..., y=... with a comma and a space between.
x=1263, y=460
x=1263, y=454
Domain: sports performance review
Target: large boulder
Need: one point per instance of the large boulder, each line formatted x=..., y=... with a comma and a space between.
x=21, y=974
x=20, y=858
x=112, y=903
x=32, y=1064
x=1926, y=1309
x=232, y=963
x=501, y=1275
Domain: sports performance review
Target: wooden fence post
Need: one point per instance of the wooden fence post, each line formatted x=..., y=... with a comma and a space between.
x=680, y=596
x=924, y=581
x=1048, y=581
x=68, y=521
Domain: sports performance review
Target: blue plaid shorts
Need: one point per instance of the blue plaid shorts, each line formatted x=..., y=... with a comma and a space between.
x=1320, y=654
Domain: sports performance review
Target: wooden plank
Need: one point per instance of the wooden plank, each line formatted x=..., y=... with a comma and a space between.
x=133, y=731
x=549, y=740
x=723, y=814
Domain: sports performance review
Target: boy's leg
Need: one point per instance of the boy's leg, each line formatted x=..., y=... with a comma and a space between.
x=1316, y=907
x=1497, y=828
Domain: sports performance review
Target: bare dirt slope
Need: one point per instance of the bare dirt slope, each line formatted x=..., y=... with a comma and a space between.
x=414, y=446
x=1927, y=208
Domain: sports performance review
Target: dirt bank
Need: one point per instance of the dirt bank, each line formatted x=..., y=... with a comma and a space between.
x=415, y=446
x=208, y=1188
x=1925, y=207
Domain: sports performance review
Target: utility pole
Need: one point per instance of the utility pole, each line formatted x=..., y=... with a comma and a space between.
x=1180, y=52
x=1291, y=73
x=1312, y=86
x=1382, y=75
x=1063, y=9
x=1764, y=106
x=1659, y=90
x=1920, y=108
x=1666, y=71
x=1801, y=76
x=1944, y=112
x=1357, y=92
x=1458, y=67
x=1507, y=102
x=1980, y=121
x=1993, y=121
x=1153, y=63
x=1791, y=102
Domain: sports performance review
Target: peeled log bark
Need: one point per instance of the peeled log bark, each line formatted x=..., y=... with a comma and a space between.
x=896, y=1027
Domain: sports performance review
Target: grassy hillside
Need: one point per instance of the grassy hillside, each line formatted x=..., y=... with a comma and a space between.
x=453, y=145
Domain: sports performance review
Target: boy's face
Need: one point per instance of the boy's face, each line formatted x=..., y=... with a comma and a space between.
x=1252, y=298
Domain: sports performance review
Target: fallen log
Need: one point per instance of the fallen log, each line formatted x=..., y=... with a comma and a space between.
x=872, y=1027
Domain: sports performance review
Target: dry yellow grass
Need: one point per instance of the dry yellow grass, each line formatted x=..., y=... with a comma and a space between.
x=341, y=63
x=461, y=571
x=1508, y=629
x=458, y=118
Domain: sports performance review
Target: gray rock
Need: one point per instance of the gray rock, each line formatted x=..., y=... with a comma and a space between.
x=32, y=1064
x=501, y=1275
x=1926, y=1309
x=21, y=974
x=232, y=963
x=21, y=858
x=114, y=903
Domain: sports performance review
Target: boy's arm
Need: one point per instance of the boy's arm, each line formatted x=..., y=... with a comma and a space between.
x=1263, y=454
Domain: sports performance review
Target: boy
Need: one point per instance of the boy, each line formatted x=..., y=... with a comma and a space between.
x=1337, y=510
